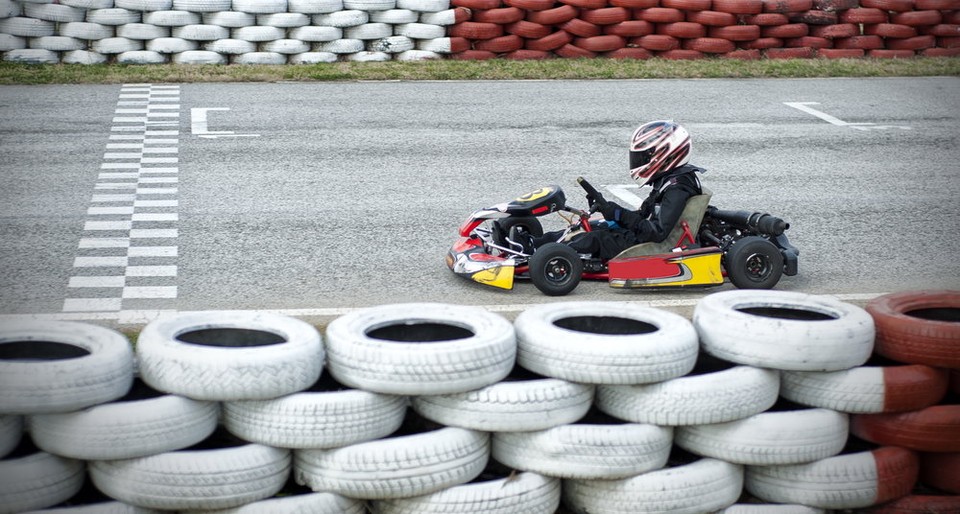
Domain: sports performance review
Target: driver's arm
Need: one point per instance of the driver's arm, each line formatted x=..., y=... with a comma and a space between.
x=656, y=227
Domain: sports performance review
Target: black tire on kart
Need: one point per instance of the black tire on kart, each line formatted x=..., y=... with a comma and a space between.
x=555, y=269
x=754, y=263
x=530, y=225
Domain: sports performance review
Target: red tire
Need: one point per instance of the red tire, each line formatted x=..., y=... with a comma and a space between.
x=835, y=31
x=548, y=43
x=681, y=55
x=785, y=6
x=736, y=32
x=710, y=45
x=941, y=471
x=942, y=30
x=891, y=54
x=682, y=30
x=554, y=16
x=629, y=53
x=574, y=52
x=600, y=44
x=790, y=53
x=790, y=30
x=473, y=55
x=744, y=55
x=586, y=4
x=500, y=16
x=605, y=16
x=861, y=42
x=635, y=4
x=474, y=30
x=912, y=327
x=919, y=504
x=919, y=43
x=476, y=4
x=528, y=29
x=889, y=5
x=889, y=30
x=712, y=18
x=660, y=15
x=767, y=19
x=738, y=6
x=500, y=45
x=531, y=5
x=459, y=44
x=941, y=52
x=917, y=18
x=762, y=43
x=841, y=53
x=814, y=17
x=938, y=5
x=687, y=5
x=948, y=42
x=580, y=28
x=657, y=42
x=630, y=28
x=933, y=429
x=864, y=15
x=835, y=5
x=809, y=42
x=526, y=55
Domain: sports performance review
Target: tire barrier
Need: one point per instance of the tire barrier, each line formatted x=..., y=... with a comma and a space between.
x=482, y=434
x=320, y=31
x=919, y=327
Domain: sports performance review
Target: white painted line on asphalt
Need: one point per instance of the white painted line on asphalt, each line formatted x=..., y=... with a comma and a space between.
x=805, y=107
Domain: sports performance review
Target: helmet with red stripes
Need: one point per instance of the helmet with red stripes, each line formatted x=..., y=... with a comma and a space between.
x=657, y=147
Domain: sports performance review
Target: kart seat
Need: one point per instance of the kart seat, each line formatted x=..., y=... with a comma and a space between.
x=692, y=214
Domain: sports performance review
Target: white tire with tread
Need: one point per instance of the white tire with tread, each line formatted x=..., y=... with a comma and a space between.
x=705, y=485
x=471, y=348
x=61, y=366
x=841, y=336
x=310, y=503
x=527, y=493
x=769, y=438
x=291, y=363
x=396, y=467
x=545, y=347
x=38, y=480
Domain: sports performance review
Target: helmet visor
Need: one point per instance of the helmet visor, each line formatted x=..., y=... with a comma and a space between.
x=640, y=158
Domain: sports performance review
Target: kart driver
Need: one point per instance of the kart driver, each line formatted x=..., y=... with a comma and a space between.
x=659, y=151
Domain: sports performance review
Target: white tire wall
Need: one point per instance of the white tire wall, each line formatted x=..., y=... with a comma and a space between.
x=11, y=431
x=59, y=366
x=309, y=503
x=396, y=467
x=650, y=346
x=705, y=485
x=242, y=356
x=195, y=479
x=768, y=438
x=145, y=423
x=38, y=480
x=758, y=328
x=527, y=493
x=320, y=418
x=420, y=349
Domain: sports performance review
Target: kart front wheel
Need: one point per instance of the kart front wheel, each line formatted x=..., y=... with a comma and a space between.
x=754, y=263
x=555, y=269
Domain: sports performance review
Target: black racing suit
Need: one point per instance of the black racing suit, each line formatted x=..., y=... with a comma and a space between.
x=653, y=221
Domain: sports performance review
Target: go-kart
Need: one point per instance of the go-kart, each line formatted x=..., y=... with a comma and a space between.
x=707, y=246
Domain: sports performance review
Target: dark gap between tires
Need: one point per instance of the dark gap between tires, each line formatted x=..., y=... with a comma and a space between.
x=230, y=337
x=787, y=313
x=948, y=314
x=27, y=351
x=419, y=332
x=606, y=325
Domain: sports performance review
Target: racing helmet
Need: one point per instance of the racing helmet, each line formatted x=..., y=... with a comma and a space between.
x=657, y=147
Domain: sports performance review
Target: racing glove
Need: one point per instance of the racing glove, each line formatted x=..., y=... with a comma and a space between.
x=611, y=211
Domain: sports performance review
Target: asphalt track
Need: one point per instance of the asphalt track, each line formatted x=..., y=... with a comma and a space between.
x=316, y=198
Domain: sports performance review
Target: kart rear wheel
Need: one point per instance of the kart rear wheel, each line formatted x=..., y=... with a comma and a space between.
x=754, y=263
x=530, y=225
x=555, y=269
